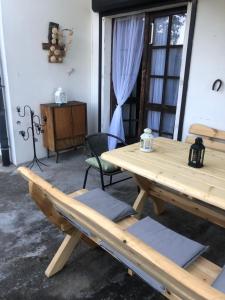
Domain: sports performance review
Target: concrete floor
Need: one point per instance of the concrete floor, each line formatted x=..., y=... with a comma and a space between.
x=28, y=241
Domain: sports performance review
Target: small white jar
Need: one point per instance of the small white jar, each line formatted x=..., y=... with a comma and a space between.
x=60, y=96
x=146, y=142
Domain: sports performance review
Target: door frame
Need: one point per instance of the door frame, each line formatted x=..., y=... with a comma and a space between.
x=146, y=69
x=105, y=43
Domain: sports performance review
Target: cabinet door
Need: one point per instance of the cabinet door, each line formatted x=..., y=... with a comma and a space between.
x=63, y=122
x=79, y=119
x=48, y=136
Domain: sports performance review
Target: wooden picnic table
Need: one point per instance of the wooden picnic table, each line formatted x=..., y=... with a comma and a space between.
x=164, y=175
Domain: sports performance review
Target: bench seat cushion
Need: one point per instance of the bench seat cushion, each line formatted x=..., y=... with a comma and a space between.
x=219, y=283
x=105, y=204
x=176, y=247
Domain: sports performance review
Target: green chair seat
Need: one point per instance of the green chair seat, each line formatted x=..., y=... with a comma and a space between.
x=106, y=166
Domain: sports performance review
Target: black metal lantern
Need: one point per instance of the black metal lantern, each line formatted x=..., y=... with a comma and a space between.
x=196, y=154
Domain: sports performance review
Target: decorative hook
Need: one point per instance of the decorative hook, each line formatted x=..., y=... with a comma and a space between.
x=217, y=85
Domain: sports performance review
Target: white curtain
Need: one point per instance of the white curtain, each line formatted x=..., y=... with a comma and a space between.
x=128, y=40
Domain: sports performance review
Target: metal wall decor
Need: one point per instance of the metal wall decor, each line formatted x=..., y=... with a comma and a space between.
x=36, y=128
x=59, y=42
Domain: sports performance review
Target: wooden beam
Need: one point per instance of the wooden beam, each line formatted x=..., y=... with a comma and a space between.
x=174, y=278
x=190, y=205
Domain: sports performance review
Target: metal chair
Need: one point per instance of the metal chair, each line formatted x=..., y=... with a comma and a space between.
x=97, y=144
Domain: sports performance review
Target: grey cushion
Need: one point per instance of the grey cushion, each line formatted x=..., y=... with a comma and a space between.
x=106, y=166
x=219, y=283
x=106, y=205
x=176, y=247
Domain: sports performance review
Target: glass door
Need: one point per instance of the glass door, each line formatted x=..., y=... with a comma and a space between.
x=164, y=37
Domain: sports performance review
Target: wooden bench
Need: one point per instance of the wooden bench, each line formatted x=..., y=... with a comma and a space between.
x=212, y=138
x=192, y=283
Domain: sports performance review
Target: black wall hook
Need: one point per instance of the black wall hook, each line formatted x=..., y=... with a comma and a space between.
x=217, y=85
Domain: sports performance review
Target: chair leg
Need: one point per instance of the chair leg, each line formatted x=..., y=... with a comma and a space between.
x=102, y=180
x=63, y=254
x=85, y=177
x=110, y=180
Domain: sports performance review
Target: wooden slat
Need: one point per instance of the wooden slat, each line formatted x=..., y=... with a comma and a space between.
x=208, y=143
x=150, y=261
x=199, y=129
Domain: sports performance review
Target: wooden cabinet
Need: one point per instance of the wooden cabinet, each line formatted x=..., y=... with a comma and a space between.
x=65, y=125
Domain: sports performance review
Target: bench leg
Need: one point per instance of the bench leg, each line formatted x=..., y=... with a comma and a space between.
x=63, y=254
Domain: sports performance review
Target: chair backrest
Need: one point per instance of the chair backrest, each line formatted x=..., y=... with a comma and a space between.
x=98, y=142
x=212, y=138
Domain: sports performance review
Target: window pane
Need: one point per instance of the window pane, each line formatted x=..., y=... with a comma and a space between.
x=160, y=31
x=175, y=57
x=155, y=91
x=133, y=111
x=158, y=62
x=133, y=129
x=126, y=128
x=153, y=120
x=126, y=111
x=168, y=122
x=178, y=29
x=155, y=134
x=172, y=86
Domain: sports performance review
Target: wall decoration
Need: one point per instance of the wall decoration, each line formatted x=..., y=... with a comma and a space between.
x=217, y=85
x=59, y=42
x=35, y=127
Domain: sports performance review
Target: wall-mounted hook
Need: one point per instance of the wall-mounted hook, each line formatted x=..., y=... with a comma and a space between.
x=217, y=85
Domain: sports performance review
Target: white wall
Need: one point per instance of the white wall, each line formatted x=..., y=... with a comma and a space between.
x=29, y=77
x=208, y=64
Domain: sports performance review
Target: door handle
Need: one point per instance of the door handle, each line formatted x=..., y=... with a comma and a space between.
x=152, y=33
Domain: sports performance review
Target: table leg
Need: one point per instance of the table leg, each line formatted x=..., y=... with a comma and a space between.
x=139, y=202
x=145, y=187
x=158, y=205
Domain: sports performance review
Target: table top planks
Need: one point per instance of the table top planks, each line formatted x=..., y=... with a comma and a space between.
x=168, y=165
